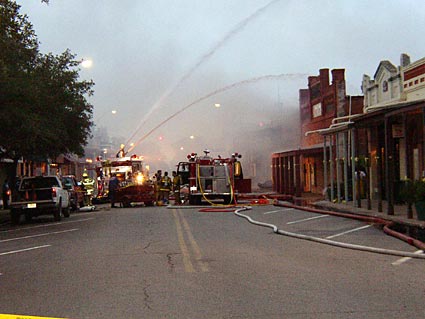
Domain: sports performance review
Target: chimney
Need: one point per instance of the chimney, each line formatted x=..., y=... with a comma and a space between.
x=324, y=77
x=404, y=60
x=338, y=75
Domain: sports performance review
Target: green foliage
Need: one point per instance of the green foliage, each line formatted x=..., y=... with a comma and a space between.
x=412, y=191
x=419, y=190
x=43, y=106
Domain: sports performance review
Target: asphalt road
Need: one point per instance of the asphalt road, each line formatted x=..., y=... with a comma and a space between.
x=181, y=263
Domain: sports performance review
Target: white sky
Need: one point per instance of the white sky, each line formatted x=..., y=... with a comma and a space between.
x=142, y=48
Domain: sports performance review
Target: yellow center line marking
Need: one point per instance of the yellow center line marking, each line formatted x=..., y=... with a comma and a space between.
x=6, y=316
x=195, y=246
x=186, y=258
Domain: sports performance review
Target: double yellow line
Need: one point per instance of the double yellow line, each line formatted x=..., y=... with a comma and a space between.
x=189, y=259
x=6, y=316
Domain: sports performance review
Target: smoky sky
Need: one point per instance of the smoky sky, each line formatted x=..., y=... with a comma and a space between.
x=152, y=58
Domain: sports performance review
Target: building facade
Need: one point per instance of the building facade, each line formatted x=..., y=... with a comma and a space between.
x=321, y=105
x=394, y=119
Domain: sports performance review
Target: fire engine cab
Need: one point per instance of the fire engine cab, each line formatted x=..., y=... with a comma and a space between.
x=128, y=170
x=209, y=178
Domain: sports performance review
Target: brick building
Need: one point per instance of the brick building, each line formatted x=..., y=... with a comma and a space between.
x=321, y=105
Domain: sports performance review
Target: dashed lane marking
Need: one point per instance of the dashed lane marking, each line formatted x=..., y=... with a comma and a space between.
x=349, y=231
x=306, y=219
x=405, y=259
x=45, y=225
x=38, y=235
x=23, y=250
x=277, y=211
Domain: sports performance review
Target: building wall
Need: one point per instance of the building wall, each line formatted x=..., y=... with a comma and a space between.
x=413, y=76
x=384, y=88
x=393, y=86
x=320, y=103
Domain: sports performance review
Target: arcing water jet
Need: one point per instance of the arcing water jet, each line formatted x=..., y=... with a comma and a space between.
x=221, y=90
x=238, y=28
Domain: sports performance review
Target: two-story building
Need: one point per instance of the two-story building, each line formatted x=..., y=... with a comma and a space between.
x=321, y=105
x=359, y=147
x=394, y=119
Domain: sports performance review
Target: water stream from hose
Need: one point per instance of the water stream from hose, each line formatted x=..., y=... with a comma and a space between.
x=203, y=59
x=207, y=96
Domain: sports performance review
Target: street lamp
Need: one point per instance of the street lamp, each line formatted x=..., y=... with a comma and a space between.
x=113, y=112
x=87, y=63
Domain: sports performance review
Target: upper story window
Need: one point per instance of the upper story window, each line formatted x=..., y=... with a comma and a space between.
x=384, y=86
x=317, y=110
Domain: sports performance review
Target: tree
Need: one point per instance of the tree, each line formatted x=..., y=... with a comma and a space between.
x=43, y=107
x=64, y=115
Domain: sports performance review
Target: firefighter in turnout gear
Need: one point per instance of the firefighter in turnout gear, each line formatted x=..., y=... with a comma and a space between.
x=165, y=188
x=157, y=187
x=88, y=184
x=176, y=188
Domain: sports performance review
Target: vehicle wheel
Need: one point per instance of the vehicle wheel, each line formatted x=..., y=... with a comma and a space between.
x=126, y=202
x=57, y=215
x=66, y=212
x=28, y=217
x=15, y=216
x=74, y=206
x=227, y=200
x=195, y=200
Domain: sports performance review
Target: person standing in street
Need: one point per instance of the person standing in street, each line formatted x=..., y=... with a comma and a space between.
x=176, y=188
x=165, y=188
x=113, y=186
x=158, y=178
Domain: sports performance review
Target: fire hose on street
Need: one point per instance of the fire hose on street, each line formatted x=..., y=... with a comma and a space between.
x=237, y=209
x=276, y=230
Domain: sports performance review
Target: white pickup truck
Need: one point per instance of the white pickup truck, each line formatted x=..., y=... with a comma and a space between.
x=39, y=195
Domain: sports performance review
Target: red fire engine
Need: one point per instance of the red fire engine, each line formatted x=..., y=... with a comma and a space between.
x=135, y=185
x=209, y=178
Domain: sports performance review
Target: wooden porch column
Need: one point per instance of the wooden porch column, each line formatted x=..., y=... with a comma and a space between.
x=325, y=164
x=298, y=186
x=353, y=165
x=389, y=166
x=331, y=167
